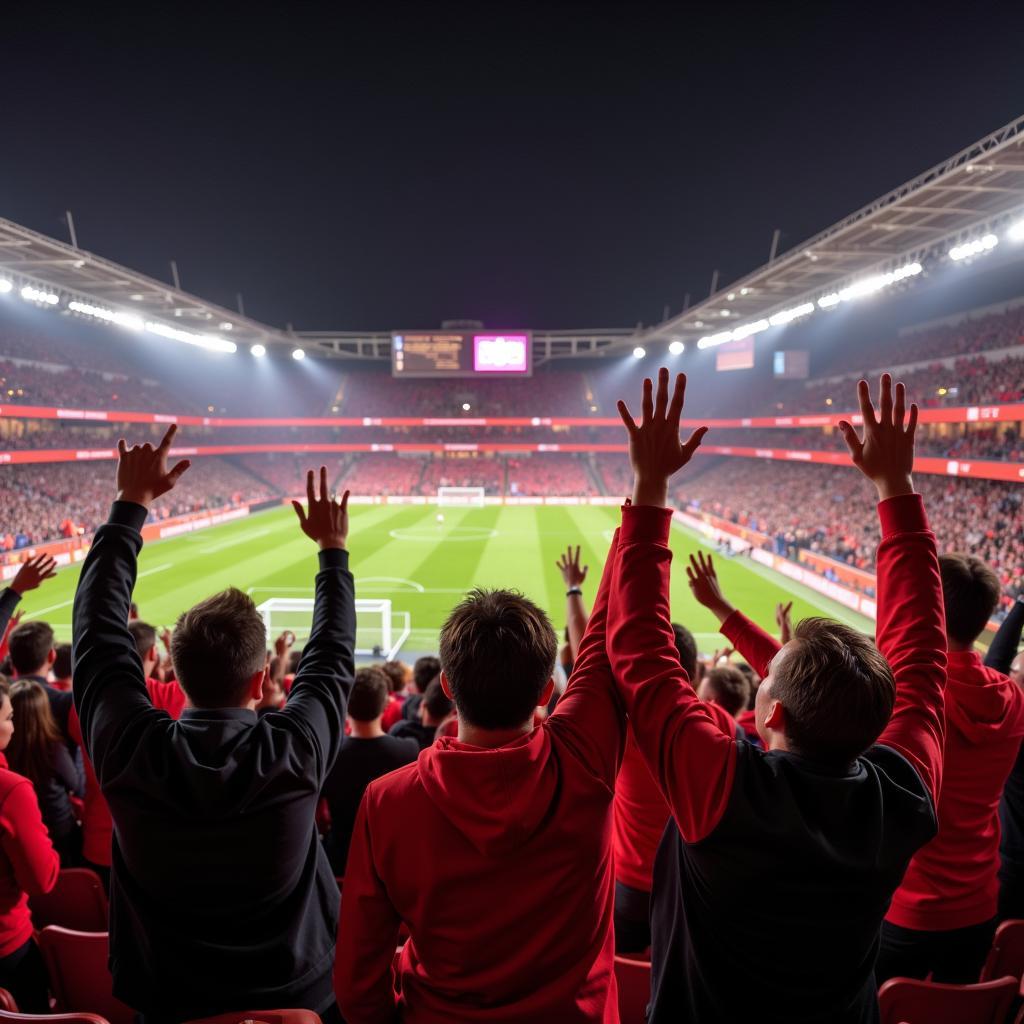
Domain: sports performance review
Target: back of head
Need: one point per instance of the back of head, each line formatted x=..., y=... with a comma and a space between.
x=31, y=750
x=437, y=702
x=62, y=663
x=836, y=689
x=217, y=647
x=369, y=694
x=970, y=592
x=425, y=671
x=497, y=652
x=30, y=646
x=686, y=647
x=728, y=686
x=396, y=672
x=144, y=636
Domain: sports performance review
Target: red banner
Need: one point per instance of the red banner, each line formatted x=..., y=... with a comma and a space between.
x=960, y=414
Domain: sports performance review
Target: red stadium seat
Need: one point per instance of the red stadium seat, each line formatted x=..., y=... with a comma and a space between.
x=7, y=1001
x=79, y=977
x=55, y=1018
x=262, y=1017
x=77, y=901
x=909, y=1001
x=634, y=981
x=1007, y=953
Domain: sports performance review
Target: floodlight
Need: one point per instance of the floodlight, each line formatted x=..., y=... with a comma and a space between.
x=639, y=352
x=298, y=353
x=677, y=348
x=258, y=350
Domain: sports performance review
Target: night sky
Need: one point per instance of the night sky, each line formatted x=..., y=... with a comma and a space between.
x=552, y=165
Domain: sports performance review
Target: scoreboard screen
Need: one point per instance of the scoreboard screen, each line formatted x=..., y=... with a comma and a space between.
x=461, y=354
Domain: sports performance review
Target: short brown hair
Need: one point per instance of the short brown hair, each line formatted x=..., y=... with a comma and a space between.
x=970, y=592
x=217, y=646
x=729, y=687
x=29, y=645
x=498, y=651
x=836, y=689
x=369, y=694
x=144, y=636
x=396, y=672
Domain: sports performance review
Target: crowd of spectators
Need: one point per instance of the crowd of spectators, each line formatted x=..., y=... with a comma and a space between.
x=558, y=474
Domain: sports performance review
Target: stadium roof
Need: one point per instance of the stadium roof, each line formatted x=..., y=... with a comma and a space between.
x=977, y=190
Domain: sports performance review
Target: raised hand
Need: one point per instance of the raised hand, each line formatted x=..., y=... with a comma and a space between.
x=704, y=586
x=142, y=473
x=326, y=522
x=33, y=572
x=886, y=455
x=569, y=567
x=283, y=644
x=783, y=621
x=654, y=447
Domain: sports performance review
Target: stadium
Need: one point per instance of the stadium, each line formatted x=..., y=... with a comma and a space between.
x=469, y=667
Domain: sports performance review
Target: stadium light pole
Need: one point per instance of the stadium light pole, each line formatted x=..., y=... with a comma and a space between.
x=71, y=229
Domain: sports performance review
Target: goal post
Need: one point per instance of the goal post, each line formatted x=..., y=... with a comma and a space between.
x=460, y=497
x=380, y=630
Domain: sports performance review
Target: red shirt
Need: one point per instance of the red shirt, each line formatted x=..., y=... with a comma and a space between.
x=97, y=826
x=952, y=882
x=393, y=711
x=499, y=862
x=28, y=862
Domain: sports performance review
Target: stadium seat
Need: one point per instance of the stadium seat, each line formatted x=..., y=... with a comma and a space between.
x=77, y=901
x=634, y=981
x=7, y=1001
x=55, y=1018
x=262, y=1017
x=909, y=1001
x=79, y=976
x=1007, y=953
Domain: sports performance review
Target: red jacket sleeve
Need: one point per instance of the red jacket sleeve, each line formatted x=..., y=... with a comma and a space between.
x=590, y=716
x=681, y=740
x=367, y=934
x=755, y=645
x=911, y=634
x=25, y=841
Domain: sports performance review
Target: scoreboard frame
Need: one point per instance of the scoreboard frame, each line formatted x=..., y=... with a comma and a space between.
x=469, y=344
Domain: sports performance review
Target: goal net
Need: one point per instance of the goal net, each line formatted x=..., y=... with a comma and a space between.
x=460, y=497
x=380, y=631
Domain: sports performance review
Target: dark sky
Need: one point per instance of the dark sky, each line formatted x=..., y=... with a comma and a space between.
x=552, y=165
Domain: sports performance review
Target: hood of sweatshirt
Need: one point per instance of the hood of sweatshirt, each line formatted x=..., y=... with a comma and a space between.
x=981, y=703
x=496, y=797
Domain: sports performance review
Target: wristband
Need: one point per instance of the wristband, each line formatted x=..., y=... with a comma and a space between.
x=574, y=590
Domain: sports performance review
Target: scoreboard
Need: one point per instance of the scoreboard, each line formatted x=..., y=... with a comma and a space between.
x=461, y=354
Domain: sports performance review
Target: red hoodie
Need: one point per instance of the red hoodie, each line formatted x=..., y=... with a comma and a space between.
x=28, y=862
x=952, y=882
x=499, y=861
x=393, y=711
x=97, y=826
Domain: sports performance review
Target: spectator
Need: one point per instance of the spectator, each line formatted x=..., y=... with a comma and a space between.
x=493, y=848
x=424, y=672
x=726, y=686
x=61, y=669
x=38, y=751
x=827, y=820
x=365, y=755
x=432, y=711
x=249, y=920
x=398, y=675
x=32, y=656
x=28, y=867
x=943, y=915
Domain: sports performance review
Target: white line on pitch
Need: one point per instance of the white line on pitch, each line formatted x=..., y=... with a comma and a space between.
x=241, y=539
x=156, y=568
x=53, y=607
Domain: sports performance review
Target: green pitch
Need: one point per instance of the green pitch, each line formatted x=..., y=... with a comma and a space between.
x=423, y=567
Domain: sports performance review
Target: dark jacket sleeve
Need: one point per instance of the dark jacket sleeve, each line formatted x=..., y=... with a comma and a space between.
x=109, y=688
x=69, y=771
x=1003, y=648
x=8, y=602
x=319, y=695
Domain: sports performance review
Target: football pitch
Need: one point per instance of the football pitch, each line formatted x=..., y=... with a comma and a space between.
x=423, y=567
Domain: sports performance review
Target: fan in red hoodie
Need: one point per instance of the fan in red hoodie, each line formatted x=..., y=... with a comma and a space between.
x=506, y=887
x=97, y=826
x=943, y=916
x=28, y=866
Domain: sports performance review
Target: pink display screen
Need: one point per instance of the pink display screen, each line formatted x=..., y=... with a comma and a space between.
x=501, y=353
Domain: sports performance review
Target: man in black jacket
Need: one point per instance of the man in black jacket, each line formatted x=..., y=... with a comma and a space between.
x=221, y=896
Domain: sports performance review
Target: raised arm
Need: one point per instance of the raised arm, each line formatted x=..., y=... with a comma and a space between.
x=685, y=748
x=590, y=715
x=911, y=628
x=109, y=687
x=1003, y=648
x=367, y=934
x=320, y=691
x=575, y=608
x=754, y=644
